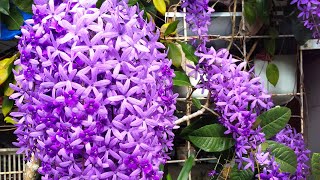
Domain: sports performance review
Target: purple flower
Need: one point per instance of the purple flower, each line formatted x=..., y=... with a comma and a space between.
x=239, y=98
x=309, y=14
x=212, y=173
x=289, y=137
x=95, y=92
x=198, y=15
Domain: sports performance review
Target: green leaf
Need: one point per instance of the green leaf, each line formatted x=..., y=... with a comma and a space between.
x=171, y=27
x=9, y=120
x=196, y=102
x=250, y=13
x=14, y=20
x=237, y=174
x=189, y=52
x=7, y=91
x=262, y=7
x=132, y=2
x=211, y=138
x=283, y=155
x=168, y=177
x=6, y=68
x=174, y=54
x=196, y=124
x=272, y=73
x=99, y=3
x=181, y=79
x=274, y=120
x=7, y=105
x=184, y=173
x=4, y=6
x=315, y=165
x=24, y=5
x=270, y=46
x=160, y=6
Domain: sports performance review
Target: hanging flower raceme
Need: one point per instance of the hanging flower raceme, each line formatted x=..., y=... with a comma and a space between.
x=310, y=14
x=95, y=92
x=238, y=96
x=289, y=137
x=198, y=15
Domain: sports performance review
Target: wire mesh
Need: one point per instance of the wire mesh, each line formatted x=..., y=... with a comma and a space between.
x=12, y=165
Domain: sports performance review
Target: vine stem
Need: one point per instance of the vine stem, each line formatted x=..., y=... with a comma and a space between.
x=197, y=113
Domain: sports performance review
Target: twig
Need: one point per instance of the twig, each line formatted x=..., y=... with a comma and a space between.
x=233, y=22
x=252, y=49
x=208, y=109
x=197, y=113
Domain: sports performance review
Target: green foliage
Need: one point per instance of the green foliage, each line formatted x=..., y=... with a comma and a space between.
x=24, y=5
x=160, y=5
x=272, y=73
x=315, y=165
x=181, y=79
x=14, y=20
x=9, y=120
x=186, y=168
x=196, y=102
x=211, y=138
x=189, y=52
x=174, y=54
x=7, y=105
x=4, y=6
x=171, y=28
x=274, y=120
x=237, y=174
x=283, y=155
x=6, y=68
x=196, y=124
x=250, y=12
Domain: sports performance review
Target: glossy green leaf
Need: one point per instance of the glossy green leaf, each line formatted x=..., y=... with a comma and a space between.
x=270, y=46
x=24, y=5
x=9, y=120
x=196, y=102
x=160, y=5
x=174, y=54
x=181, y=79
x=283, y=155
x=7, y=105
x=237, y=174
x=184, y=173
x=14, y=20
x=189, y=52
x=172, y=27
x=211, y=138
x=274, y=120
x=133, y=2
x=4, y=7
x=315, y=165
x=272, y=73
x=196, y=124
x=250, y=13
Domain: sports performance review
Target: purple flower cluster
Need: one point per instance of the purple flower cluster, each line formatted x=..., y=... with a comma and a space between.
x=310, y=14
x=239, y=99
x=289, y=137
x=95, y=92
x=198, y=15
